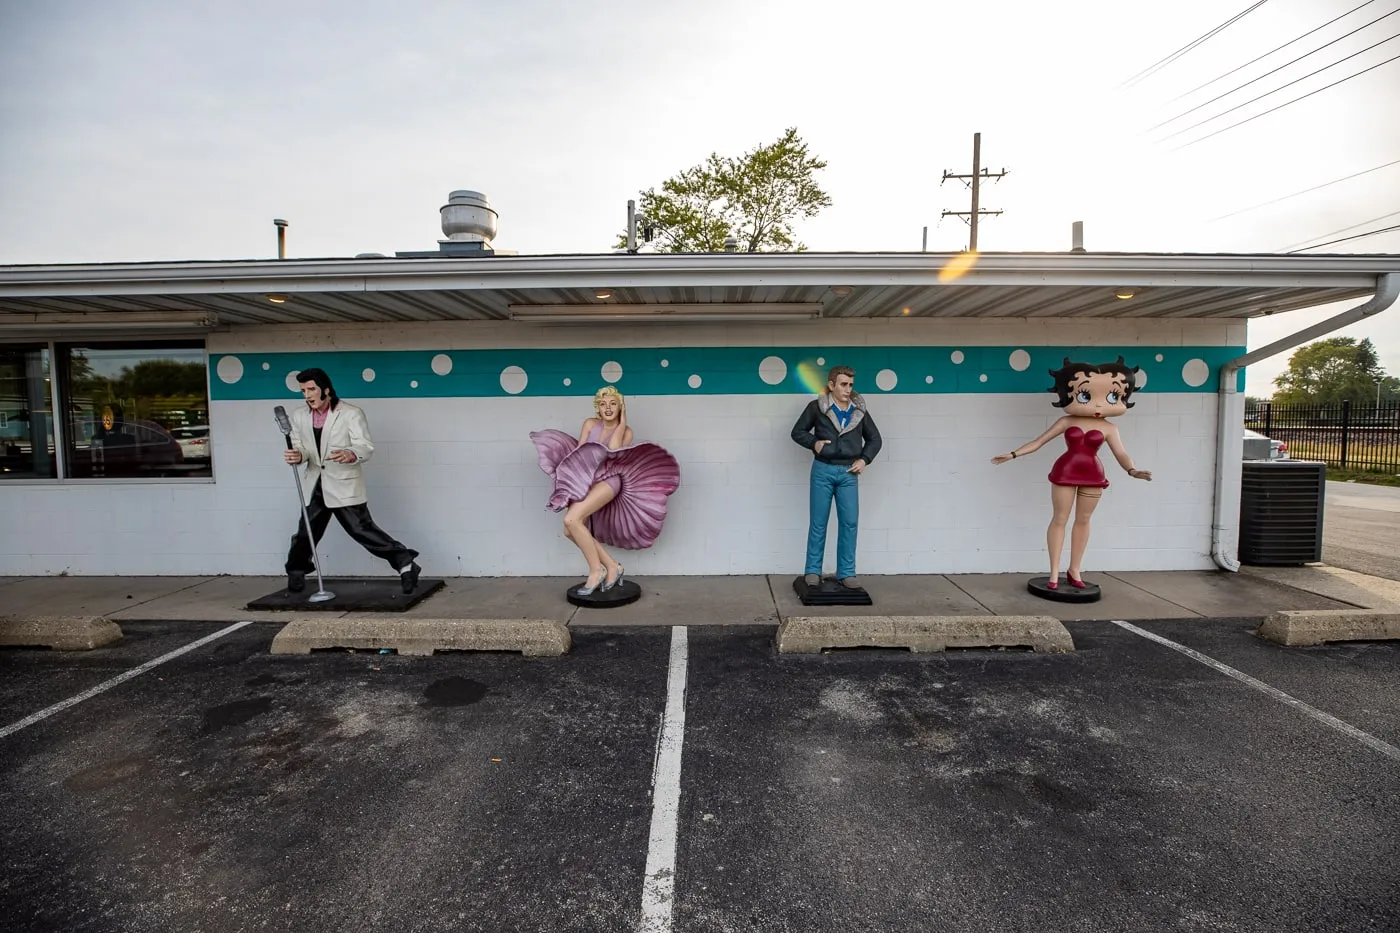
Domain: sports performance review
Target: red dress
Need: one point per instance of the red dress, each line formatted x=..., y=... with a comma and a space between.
x=1079, y=466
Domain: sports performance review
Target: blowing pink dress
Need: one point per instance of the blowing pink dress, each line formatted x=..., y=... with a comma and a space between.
x=642, y=475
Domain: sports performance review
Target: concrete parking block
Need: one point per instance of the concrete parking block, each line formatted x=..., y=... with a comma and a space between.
x=221, y=599
x=1005, y=594
x=87, y=596
x=497, y=598
x=74, y=633
x=1042, y=634
x=808, y=635
x=904, y=594
x=1343, y=586
x=1317, y=627
x=422, y=637
x=667, y=600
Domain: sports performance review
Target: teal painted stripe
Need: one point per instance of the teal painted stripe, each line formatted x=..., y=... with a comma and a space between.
x=699, y=370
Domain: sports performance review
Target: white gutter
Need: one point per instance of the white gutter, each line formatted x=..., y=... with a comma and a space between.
x=1230, y=412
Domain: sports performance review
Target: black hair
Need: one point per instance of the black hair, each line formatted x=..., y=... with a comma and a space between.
x=318, y=376
x=1066, y=373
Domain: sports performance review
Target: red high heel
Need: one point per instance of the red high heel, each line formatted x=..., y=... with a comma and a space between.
x=1052, y=584
x=1077, y=584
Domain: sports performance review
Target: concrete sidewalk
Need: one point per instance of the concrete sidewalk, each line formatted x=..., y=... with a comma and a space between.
x=738, y=600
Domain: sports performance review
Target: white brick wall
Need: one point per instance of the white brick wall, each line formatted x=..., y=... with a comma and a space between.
x=457, y=478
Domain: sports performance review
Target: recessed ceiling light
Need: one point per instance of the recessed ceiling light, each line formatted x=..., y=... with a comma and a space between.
x=841, y=291
x=1124, y=293
x=277, y=299
x=603, y=294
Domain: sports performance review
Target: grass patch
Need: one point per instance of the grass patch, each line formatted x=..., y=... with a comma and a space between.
x=1375, y=479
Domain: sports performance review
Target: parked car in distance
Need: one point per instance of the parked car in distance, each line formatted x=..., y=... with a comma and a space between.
x=194, y=441
x=1259, y=447
x=135, y=448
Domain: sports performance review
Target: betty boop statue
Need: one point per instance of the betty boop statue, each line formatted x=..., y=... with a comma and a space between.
x=1089, y=395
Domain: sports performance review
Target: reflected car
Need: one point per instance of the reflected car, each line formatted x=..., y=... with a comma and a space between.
x=193, y=441
x=136, y=448
x=1255, y=449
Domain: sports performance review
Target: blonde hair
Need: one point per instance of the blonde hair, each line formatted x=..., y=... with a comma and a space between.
x=608, y=390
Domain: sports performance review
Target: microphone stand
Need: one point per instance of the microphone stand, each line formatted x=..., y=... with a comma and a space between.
x=322, y=594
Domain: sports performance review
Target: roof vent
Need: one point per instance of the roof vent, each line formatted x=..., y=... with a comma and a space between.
x=468, y=221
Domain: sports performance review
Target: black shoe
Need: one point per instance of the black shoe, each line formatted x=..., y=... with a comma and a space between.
x=409, y=578
x=296, y=581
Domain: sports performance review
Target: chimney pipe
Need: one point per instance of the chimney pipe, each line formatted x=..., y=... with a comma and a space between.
x=1077, y=237
x=281, y=237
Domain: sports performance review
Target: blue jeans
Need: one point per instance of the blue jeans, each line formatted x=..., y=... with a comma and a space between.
x=828, y=480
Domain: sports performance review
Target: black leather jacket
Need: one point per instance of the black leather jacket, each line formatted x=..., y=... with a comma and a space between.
x=860, y=440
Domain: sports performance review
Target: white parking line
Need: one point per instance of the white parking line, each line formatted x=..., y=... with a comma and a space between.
x=659, y=886
x=1365, y=738
x=119, y=679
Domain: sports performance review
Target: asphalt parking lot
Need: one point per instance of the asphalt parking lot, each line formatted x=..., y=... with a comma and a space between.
x=1126, y=786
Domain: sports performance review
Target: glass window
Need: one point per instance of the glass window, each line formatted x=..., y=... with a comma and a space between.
x=26, y=420
x=135, y=410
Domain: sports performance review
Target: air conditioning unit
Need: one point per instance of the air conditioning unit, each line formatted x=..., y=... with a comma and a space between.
x=1281, y=512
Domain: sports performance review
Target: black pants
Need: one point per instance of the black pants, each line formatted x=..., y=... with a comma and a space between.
x=357, y=523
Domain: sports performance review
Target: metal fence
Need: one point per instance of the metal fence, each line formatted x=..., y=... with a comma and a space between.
x=1345, y=436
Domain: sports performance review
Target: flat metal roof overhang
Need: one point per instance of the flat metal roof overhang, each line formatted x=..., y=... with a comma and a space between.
x=828, y=285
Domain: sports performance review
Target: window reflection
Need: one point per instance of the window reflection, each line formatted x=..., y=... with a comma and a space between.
x=26, y=420
x=136, y=410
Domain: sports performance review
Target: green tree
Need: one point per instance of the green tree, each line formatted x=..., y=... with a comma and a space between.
x=1334, y=370
x=755, y=197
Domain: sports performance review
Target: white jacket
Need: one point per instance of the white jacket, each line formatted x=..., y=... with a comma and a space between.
x=345, y=429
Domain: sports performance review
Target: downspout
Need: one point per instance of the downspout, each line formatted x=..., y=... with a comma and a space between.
x=1227, y=452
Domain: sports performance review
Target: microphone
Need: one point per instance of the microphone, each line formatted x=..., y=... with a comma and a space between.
x=284, y=424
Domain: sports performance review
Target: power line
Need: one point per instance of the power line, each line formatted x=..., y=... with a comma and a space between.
x=1304, y=191
x=1278, y=69
x=1268, y=53
x=1280, y=106
x=1153, y=69
x=1340, y=230
x=1345, y=238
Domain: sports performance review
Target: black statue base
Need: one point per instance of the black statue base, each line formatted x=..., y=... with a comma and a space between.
x=830, y=593
x=1065, y=593
x=620, y=595
x=362, y=594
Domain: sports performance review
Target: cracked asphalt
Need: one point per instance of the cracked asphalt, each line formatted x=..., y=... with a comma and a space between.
x=1124, y=786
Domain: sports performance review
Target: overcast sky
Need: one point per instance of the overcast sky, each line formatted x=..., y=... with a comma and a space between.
x=135, y=130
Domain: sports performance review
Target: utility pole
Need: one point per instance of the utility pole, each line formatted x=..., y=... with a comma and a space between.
x=974, y=182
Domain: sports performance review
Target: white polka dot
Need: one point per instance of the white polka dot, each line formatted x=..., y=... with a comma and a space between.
x=1195, y=372
x=514, y=380
x=821, y=361
x=1159, y=357
x=1141, y=379
x=1020, y=360
x=958, y=356
x=612, y=371
x=367, y=375
x=442, y=364
x=772, y=370
x=413, y=384
x=568, y=381
x=693, y=381
x=266, y=367
x=292, y=384
x=928, y=379
x=665, y=363
x=982, y=378
x=230, y=369
x=886, y=380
